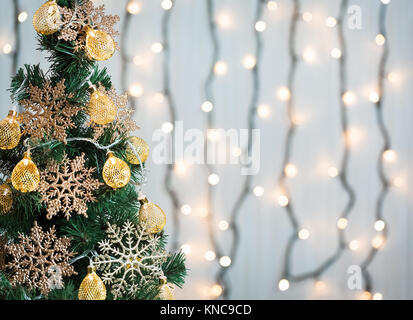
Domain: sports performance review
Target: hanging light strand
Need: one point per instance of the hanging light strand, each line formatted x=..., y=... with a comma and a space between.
x=176, y=203
x=251, y=119
x=380, y=238
x=342, y=221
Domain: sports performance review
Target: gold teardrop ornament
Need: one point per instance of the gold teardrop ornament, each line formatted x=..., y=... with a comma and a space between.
x=47, y=19
x=10, y=132
x=25, y=176
x=116, y=172
x=92, y=287
x=100, y=46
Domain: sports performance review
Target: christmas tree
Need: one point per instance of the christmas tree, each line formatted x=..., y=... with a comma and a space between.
x=74, y=223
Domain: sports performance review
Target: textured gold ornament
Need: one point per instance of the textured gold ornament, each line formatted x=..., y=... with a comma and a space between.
x=6, y=199
x=25, y=176
x=165, y=291
x=116, y=172
x=10, y=132
x=141, y=148
x=152, y=217
x=102, y=109
x=47, y=19
x=99, y=45
x=92, y=287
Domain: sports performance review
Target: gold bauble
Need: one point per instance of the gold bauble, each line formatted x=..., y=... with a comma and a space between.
x=25, y=176
x=6, y=199
x=152, y=217
x=92, y=287
x=10, y=132
x=102, y=109
x=47, y=19
x=116, y=172
x=165, y=291
x=141, y=148
x=99, y=45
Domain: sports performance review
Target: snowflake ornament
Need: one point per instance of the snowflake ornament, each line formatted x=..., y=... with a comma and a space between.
x=67, y=187
x=48, y=112
x=123, y=123
x=130, y=258
x=34, y=256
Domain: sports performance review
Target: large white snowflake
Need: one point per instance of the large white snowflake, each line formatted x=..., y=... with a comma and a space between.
x=130, y=258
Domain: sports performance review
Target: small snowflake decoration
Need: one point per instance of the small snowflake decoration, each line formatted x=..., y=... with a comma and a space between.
x=75, y=20
x=35, y=254
x=48, y=112
x=67, y=187
x=130, y=258
x=123, y=123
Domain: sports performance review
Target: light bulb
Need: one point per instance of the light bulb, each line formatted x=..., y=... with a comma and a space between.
x=258, y=191
x=377, y=242
x=291, y=170
x=186, y=248
x=283, y=200
x=224, y=20
x=332, y=172
x=349, y=98
x=374, y=97
x=307, y=16
x=260, y=26
x=225, y=261
x=223, y=225
x=378, y=295
x=157, y=47
x=133, y=7
x=320, y=285
x=283, y=284
x=203, y=212
x=138, y=60
x=210, y=255
x=136, y=90
x=342, y=223
x=236, y=152
x=22, y=16
x=180, y=168
x=304, y=234
x=385, y=1
x=207, y=106
x=283, y=93
x=379, y=225
x=380, y=39
x=263, y=111
x=331, y=22
x=166, y=4
x=309, y=55
x=393, y=77
x=336, y=53
x=354, y=245
x=220, y=68
x=213, y=179
x=167, y=127
x=159, y=97
x=249, y=62
x=389, y=155
x=186, y=209
x=7, y=48
x=272, y=5
x=216, y=290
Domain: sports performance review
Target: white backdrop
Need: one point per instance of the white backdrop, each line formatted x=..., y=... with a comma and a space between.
x=318, y=199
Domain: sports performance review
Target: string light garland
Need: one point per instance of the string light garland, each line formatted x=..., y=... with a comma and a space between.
x=285, y=198
x=168, y=7
x=380, y=225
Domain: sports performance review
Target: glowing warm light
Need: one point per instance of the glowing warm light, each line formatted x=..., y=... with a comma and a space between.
x=216, y=290
x=167, y=127
x=354, y=245
x=366, y=295
x=309, y=55
x=342, y=223
x=374, y=97
x=307, y=16
x=320, y=285
x=180, y=168
x=291, y=170
x=224, y=20
x=272, y=5
x=349, y=97
x=380, y=39
x=379, y=225
x=284, y=93
x=336, y=53
x=249, y=62
x=134, y=7
x=220, y=68
x=166, y=4
x=332, y=172
x=304, y=234
x=378, y=295
x=223, y=225
x=203, y=212
x=159, y=97
x=258, y=191
x=236, y=152
x=186, y=248
x=398, y=182
x=213, y=179
x=213, y=134
x=353, y=136
x=7, y=48
x=377, y=242
x=136, y=90
x=283, y=284
x=385, y=1
x=331, y=22
x=138, y=60
x=22, y=16
x=186, y=209
x=210, y=255
x=389, y=155
x=393, y=77
x=225, y=261
x=207, y=106
x=157, y=47
x=263, y=111
x=283, y=200
x=260, y=26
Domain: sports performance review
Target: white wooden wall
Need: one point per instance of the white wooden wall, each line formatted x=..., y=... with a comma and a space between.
x=318, y=199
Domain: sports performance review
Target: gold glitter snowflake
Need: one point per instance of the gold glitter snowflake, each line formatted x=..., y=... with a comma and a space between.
x=75, y=21
x=130, y=258
x=47, y=112
x=35, y=254
x=67, y=187
x=123, y=123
